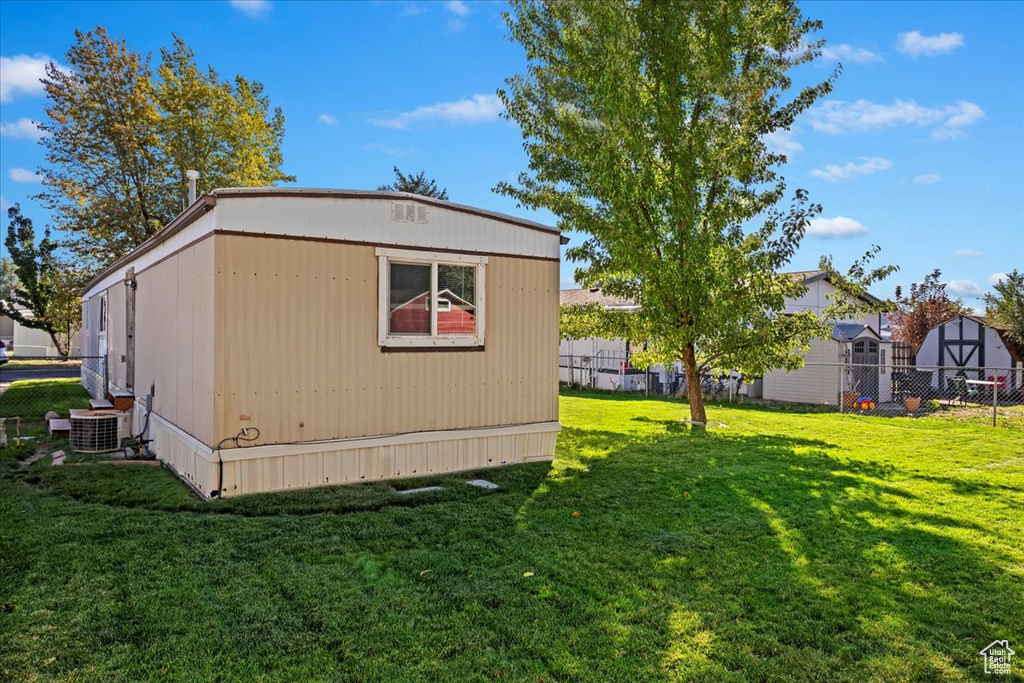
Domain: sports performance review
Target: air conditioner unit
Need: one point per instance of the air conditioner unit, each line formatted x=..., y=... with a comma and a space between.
x=99, y=431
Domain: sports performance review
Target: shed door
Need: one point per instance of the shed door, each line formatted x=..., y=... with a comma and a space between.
x=865, y=353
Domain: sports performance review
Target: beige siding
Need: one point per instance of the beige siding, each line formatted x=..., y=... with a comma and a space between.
x=296, y=348
x=116, y=338
x=174, y=338
x=814, y=384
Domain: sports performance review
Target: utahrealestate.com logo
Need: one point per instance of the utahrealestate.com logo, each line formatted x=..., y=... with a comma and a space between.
x=997, y=657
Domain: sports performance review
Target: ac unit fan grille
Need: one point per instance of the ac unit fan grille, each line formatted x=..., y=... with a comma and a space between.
x=95, y=432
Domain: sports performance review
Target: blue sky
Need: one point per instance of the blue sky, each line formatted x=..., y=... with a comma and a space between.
x=920, y=149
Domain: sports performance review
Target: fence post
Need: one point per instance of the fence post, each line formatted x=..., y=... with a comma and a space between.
x=842, y=388
x=995, y=395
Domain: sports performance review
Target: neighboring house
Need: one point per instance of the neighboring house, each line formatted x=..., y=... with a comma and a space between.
x=853, y=342
x=7, y=331
x=853, y=358
x=305, y=318
x=600, y=361
x=32, y=343
x=965, y=346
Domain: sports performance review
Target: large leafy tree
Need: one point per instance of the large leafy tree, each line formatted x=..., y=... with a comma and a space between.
x=926, y=305
x=45, y=294
x=1006, y=305
x=644, y=124
x=224, y=130
x=416, y=183
x=104, y=174
x=120, y=138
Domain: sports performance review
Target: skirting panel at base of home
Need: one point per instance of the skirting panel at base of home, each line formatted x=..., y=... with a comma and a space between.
x=284, y=467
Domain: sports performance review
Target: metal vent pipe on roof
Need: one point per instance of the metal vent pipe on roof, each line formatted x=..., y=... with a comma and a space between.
x=192, y=176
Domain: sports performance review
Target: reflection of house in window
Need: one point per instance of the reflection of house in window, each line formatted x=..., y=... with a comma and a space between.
x=454, y=315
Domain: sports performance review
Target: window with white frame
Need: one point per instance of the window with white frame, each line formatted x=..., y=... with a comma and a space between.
x=429, y=299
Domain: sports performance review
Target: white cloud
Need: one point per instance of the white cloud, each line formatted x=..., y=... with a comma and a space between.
x=459, y=11
x=476, y=109
x=22, y=128
x=390, y=150
x=967, y=253
x=4, y=205
x=838, y=117
x=457, y=7
x=327, y=120
x=838, y=227
x=927, y=179
x=995, y=278
x=783, y=142
x=952, y=128
x=849, y=53
x=915, y=44
x=21, y=74
x=868, y=165
x=252, y=8
x=964, y=288
x=410, y=10
x=23, y=175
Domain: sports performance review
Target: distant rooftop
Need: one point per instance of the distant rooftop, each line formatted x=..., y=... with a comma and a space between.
x=594, y=295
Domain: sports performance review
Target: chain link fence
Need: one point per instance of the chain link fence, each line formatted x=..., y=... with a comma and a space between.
x=30, y=388
x=985, y=395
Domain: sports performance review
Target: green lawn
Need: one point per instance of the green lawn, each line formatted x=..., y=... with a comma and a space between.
x=775, y=546
x=31, y=399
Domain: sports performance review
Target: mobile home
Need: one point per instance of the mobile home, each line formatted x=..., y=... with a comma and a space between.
x=285, y=338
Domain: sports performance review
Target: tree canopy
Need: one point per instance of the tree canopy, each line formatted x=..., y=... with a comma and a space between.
x=644, y=123
x=417, y=183
x=45, y=291
x=926, y=306
x=8, y=277
x=120, y=138
x=1006, y=305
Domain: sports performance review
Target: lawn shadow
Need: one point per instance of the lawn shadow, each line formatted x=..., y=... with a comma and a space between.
x=762, y=553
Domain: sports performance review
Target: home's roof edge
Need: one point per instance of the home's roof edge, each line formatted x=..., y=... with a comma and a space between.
x=239, y=192
x=208, y=201
x=198, y=209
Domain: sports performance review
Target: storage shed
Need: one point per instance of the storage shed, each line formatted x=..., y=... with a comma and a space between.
x=350, y=335
x=974, y=347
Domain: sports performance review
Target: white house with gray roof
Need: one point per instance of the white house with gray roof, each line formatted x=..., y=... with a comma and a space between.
x=601, y=363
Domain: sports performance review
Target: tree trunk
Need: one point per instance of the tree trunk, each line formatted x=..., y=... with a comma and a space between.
x=693, y=388
x=61, y=351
